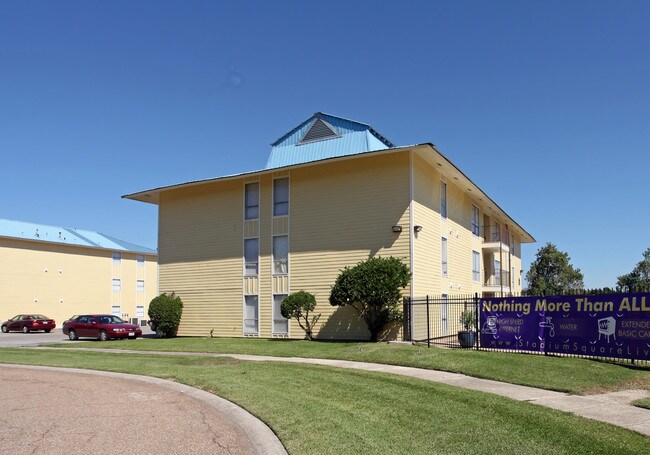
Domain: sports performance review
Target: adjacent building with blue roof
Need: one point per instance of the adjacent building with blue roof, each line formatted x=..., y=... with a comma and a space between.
x=68, y=236
x=59, y=272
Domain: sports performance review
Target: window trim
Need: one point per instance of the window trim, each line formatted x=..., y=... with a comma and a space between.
x=276, y=318
x=257, y=262
x=288, y=201
x=444, y=256
x=137, y=286
x=476, y=273
x=273, y=260
x=246, y=206
x=117, y=282
x=257, y=314
x=443, y=185
x=475, y=224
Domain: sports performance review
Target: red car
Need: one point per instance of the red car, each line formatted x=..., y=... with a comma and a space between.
x=100, y=326
x=28, y=323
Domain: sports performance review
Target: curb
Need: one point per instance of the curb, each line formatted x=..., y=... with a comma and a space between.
x=257, y=432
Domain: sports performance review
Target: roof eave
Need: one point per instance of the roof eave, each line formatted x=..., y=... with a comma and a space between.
x=528, y=238
x=153, y=196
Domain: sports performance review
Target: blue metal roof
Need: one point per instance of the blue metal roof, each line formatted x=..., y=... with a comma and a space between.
x=67, y=236
x=348, y=138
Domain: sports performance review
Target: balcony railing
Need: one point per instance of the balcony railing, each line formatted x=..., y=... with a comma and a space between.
x=494, y=233
x=496, y=278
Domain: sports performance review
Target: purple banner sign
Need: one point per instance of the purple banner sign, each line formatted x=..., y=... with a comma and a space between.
x=605, y=325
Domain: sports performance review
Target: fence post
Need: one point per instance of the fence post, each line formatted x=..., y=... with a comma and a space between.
x=477, y=311
x=406, y=322
x=428, y=325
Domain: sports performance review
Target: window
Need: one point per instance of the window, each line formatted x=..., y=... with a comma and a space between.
x=280, y=255
x=512, y=245
x=497, y=272
x=476, y=266
x=281, y=196
x=280, y=324
x=139, y=311
x=117, y=257
x=140, y=260
x=443, y=250
x=443, y=199
x=115, y=310
x=139, y=285
x=496, y=235
x=250, y=315
x=117, y=284
x=252, y=201
x=444, y=315
x=251, y=257
x=475, y=225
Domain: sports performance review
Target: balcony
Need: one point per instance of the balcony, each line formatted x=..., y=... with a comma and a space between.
x=495, y=238
x=493, y=278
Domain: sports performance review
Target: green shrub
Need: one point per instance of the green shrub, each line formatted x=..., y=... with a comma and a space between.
x=297, y=306
x=467, y=320
x=165, y=313
x=372, y=289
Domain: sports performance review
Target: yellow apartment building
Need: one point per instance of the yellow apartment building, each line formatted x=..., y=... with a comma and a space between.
x=334, y=192
x=60, y=272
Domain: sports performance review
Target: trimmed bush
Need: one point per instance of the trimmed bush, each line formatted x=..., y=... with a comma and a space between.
x=372, y=289
x=165, y=311
x=297, y=306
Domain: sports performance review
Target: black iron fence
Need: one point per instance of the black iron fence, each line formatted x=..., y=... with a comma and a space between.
x=455, y=322
x=438, y=320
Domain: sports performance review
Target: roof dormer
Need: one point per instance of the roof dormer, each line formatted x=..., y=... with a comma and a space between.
x=324, y=136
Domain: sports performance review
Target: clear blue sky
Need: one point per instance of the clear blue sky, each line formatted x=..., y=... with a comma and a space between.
x=544, y=104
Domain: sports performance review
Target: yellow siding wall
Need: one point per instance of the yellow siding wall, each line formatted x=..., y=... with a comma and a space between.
x=340, y=213
x=456, y=228
x=200, y=241
x=62, y=280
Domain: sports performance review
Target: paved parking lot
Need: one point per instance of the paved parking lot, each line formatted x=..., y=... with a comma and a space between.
x=16, y=339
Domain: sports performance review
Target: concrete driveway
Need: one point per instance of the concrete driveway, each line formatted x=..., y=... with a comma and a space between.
x=56, y=411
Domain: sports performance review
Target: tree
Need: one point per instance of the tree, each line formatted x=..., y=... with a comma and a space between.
x=638, y=279
x=552, y=274
x=165, y=312
x=372, y=288
x=298, y=306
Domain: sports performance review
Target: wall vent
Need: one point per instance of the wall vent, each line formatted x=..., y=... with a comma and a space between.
x=319, y=131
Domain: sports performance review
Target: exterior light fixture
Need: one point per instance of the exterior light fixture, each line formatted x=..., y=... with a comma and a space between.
x=417, y=228
x=397, y=229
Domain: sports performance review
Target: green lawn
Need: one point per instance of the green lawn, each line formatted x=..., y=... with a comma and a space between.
x=563, y=374
x=642, y=403
x=321, y=410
